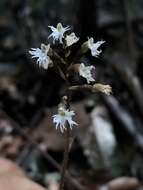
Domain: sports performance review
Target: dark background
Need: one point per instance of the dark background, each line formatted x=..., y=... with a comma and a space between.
x=29, y=93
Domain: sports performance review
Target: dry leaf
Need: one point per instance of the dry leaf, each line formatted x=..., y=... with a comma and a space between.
x=7, y=166
x=13, y=178
x=123, y=183
x=12, y=182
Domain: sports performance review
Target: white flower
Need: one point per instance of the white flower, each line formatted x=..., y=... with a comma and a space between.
x=94, y=47
x=71, y=39
x=85, y=71
x=58, y=32
x=64, y=116
x=41, y=55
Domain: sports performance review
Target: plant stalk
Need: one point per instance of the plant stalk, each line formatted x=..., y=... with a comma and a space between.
x=66, y=158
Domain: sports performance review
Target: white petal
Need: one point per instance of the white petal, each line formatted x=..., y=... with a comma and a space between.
x=85, y=71
x=41, y=55
x=94, y=47
x=63, y=117
x=71, y=39
x=58, y=33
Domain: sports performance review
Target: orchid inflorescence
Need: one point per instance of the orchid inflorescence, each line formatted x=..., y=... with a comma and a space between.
x=46, y=56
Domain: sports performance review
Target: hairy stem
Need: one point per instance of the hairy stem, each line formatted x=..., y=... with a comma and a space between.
x=66, y=157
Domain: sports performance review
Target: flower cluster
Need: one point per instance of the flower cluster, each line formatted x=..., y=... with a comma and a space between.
x=46, y=56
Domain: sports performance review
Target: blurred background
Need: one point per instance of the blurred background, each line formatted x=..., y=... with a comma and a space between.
x=108, y=144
